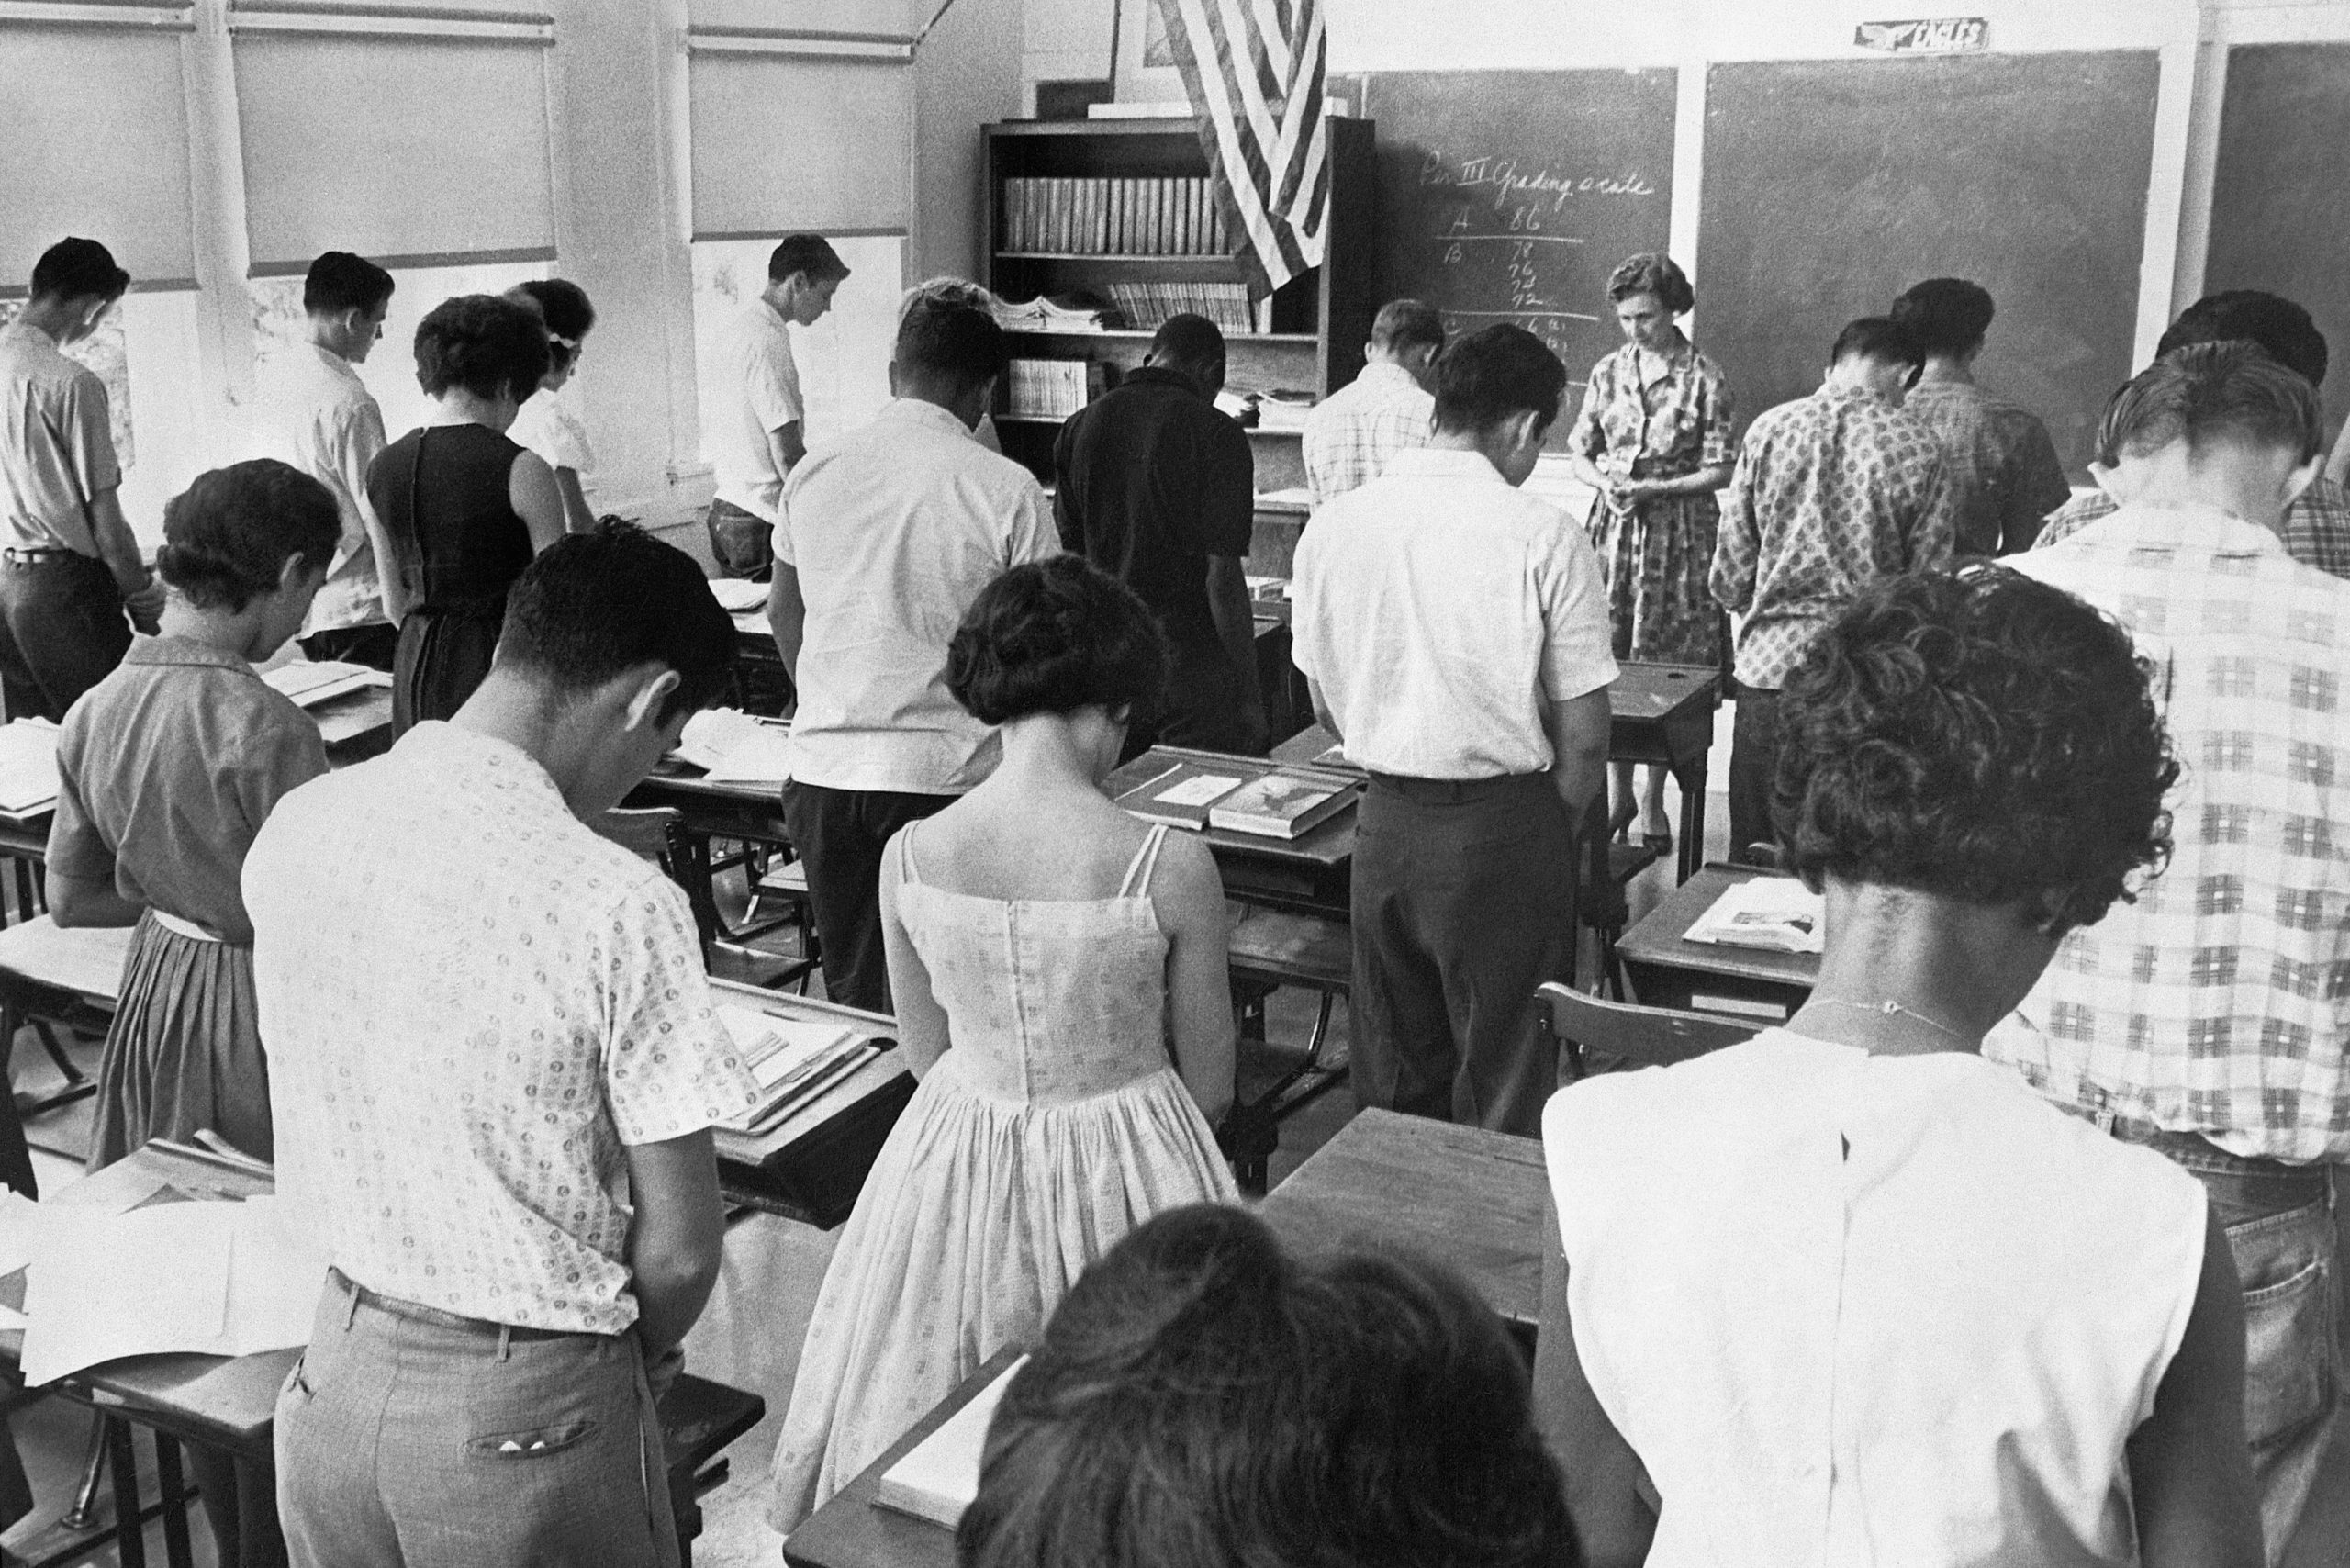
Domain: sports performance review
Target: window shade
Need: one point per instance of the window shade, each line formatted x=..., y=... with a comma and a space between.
x=100, y=149
x=411, y=152
x=783, y=144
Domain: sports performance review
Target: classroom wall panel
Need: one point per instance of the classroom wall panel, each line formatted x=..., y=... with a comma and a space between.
x=415, y=150
x=786, y=143
x=898, y=17
x=102, y=151
x=2280, y=193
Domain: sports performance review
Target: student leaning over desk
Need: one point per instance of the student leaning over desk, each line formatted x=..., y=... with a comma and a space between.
x=166, y=771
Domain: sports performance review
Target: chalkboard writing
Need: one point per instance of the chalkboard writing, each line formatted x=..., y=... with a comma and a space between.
x=2279, y=218
x=1833, y=185
x=1509, y=195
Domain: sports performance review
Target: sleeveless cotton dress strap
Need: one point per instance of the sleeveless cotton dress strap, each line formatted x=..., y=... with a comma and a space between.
x=1145, y=861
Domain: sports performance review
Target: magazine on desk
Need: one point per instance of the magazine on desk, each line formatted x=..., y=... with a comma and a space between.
x=1283, y=804
x=1778, y=915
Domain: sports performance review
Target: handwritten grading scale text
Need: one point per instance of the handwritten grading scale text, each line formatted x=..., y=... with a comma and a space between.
x=1527, y=212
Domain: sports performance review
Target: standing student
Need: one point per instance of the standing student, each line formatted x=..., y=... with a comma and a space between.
x=1060, y=978
x=1653, y=439
x=945, y=290
x=1830, y=493
x=166, y=770
x=2316, y=527
x=70, y=571
x=2004, y=475
x=1466, y=665
x=494, y=1067
x=2207, y=1020
x=758, y=435
x=544, y=424
x=888, y=533
x=463, y=508
x=1159, y=488
x=1352, y=433
x=321, y=418
x=1848, y=1295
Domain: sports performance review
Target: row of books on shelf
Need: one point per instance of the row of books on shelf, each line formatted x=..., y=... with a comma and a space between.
x=1113, y=218
x=1280, y=803
x=1051, y=388
x=1147, y=306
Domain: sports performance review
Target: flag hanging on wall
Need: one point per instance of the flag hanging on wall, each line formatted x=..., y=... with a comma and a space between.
x=1253, y=69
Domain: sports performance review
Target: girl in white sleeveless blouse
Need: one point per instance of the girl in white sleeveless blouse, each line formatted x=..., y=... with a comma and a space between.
x=1058, y=974
x=1849, y=1294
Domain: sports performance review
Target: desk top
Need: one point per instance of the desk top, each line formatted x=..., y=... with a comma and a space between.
x=876, y=1077
x=1461, y=1196
x=1327, y=846
x=1658, y=693
x=1657, y=939
x=851, y=1531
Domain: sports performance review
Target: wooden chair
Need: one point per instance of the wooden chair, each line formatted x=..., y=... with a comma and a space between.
x=1628, y=1035
x=1269, y=949
x=786, y=882
x=1604, y=902
x=658, y=833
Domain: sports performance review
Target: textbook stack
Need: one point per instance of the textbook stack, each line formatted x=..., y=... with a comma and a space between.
x=1113, y=218
x=1147, y=306
x=1067, y=313
x=793, y=1060
x=1047, y=388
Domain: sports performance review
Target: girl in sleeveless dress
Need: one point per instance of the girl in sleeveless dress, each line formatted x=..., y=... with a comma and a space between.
x=1058, y=973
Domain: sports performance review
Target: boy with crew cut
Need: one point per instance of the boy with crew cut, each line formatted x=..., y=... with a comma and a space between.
x=494, y=1087
x=321, y=418
x=1467, y=668
x=758, y=436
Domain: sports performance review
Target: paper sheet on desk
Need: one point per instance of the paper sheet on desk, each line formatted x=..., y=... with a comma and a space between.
x=736, y=595
x=223, y=1279
x=730, y=746
x=27, y=765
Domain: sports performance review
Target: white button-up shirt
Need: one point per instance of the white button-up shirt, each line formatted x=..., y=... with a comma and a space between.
x=472, y=1004
x=1439, y=610
x=319, y=416
x=759, y=384
x=893, y=529
x=1352, y=435
x=56, y=444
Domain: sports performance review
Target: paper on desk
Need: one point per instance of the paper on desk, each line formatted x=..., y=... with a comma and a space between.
x=730, y=746
x=28, y=766
x=736, y=595
x=1774, y=912
x=223, y=1279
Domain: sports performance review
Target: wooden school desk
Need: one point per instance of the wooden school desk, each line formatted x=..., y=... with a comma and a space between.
x=1707, y=976
x=1308, y=874
x=231, y=1402
x=810, y=1166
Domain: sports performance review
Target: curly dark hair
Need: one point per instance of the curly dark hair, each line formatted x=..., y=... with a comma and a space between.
x=1977, y=734
x=1201, y=1399
x=1054, y=636
x=483, y=342
x=226, y=537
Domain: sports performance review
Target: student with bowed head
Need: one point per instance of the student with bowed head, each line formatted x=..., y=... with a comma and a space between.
x=463, y=508
x=166, y=771
x=1203, y=1399
x=1058, y=972
x=1848, y=1294
x=546, y=425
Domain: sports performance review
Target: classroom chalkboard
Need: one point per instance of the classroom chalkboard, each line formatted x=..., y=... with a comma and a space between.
x=2281, y=214
x=1509, y=195
x=1833, y=185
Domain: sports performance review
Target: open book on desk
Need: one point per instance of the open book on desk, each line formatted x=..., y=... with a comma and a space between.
x=1775, y=913
x=733, y=747
x=939, y=1477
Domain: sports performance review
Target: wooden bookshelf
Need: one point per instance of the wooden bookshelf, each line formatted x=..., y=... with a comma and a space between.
x=1319, y=322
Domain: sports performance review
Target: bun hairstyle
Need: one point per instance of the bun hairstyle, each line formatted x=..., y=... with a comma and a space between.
x=228, y=535
x=563, y=306
x=1052, y=637
x=483, y=342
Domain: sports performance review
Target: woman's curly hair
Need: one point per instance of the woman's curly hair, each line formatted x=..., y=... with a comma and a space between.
x=1977, y=734
x=1053, y=636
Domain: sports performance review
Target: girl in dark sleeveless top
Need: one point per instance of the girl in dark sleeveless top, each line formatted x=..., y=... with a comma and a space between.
x=465, y=508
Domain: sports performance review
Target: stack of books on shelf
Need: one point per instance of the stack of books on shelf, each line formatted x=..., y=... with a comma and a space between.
x=1049, y=389
x=1113, y=218
x=1147, y=306
x=1055, y=313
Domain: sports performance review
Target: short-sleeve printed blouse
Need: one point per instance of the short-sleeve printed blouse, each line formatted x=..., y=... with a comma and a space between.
x=1655, y=415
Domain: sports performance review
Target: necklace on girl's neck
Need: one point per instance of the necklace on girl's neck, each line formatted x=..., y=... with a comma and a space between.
x=1889, y=1008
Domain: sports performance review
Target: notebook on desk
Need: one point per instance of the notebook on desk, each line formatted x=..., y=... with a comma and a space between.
x=939, y=1477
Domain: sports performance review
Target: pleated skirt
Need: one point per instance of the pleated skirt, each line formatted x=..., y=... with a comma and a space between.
x=184, y=1052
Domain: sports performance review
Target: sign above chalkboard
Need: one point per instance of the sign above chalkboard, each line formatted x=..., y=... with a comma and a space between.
x=1932, y=35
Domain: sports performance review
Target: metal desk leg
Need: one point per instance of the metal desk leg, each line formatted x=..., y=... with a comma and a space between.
x=1692, y=849
x=175, y=1500
x=129, y=1529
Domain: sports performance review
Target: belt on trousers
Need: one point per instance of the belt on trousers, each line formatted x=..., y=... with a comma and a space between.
x=417, y=1312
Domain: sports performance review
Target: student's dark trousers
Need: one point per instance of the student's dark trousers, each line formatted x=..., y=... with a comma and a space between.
x=840, y=835
x=1753, y=758
x=1463, y=903
x=62, y=629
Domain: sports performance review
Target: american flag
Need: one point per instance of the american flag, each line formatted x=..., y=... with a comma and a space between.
x=1253, y=69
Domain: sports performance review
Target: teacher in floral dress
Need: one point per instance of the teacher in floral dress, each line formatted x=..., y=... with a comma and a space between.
x=1653, y=439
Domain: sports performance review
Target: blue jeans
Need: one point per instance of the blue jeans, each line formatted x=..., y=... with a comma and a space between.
x=2281, y=1224
x=411, y=1444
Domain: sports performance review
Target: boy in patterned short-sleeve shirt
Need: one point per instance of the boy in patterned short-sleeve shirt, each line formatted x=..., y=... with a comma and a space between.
x=494, y=1065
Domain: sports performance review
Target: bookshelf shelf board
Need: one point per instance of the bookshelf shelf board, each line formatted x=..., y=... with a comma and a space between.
x=1124, y=334
x=1143, y=258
